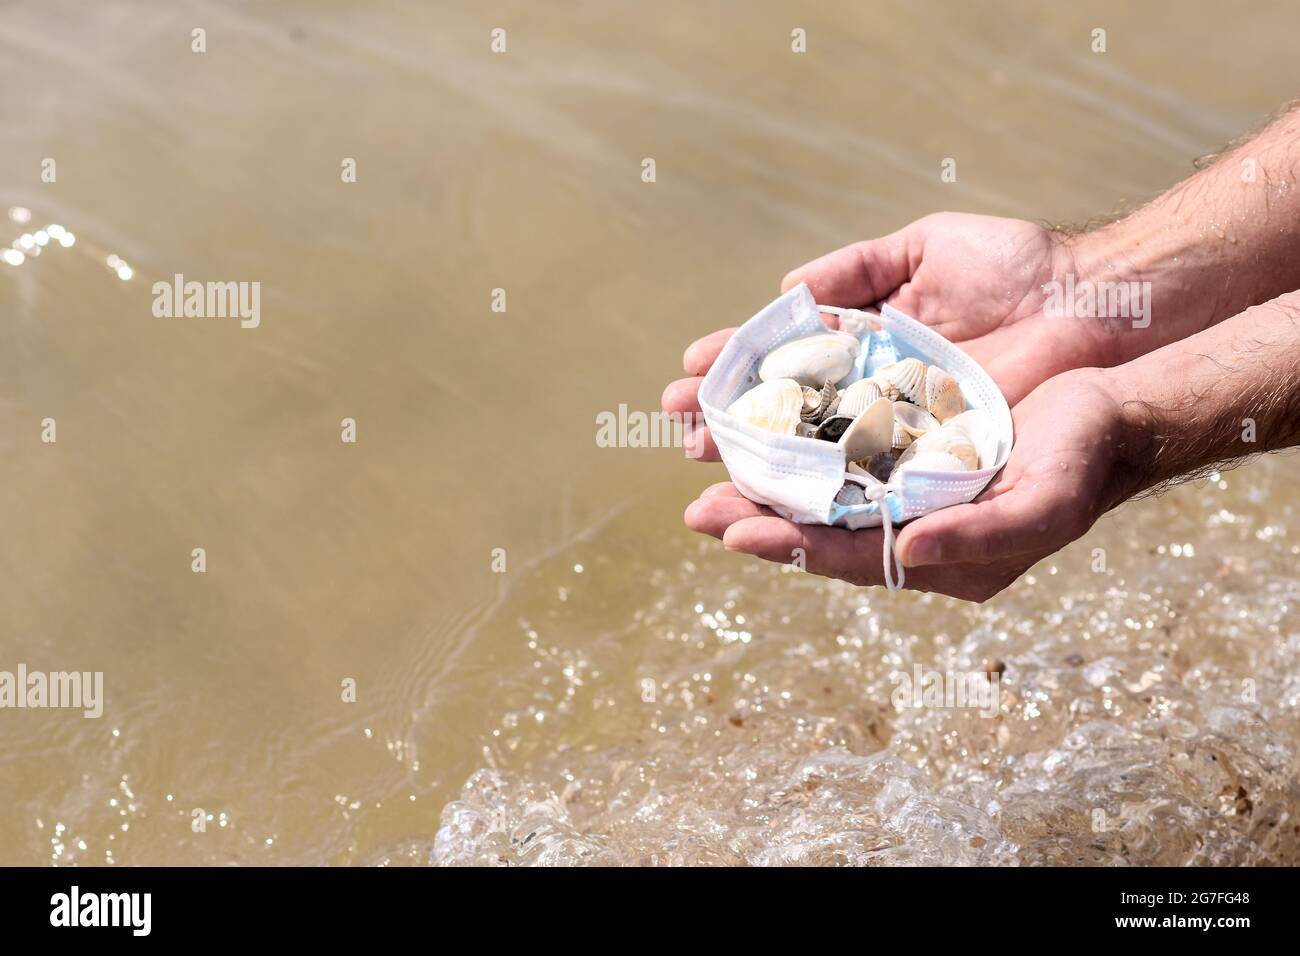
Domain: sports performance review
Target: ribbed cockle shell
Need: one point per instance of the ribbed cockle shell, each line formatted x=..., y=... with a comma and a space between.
x=773, y=406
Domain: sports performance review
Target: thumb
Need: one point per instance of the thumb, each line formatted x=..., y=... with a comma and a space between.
x=1017, y=522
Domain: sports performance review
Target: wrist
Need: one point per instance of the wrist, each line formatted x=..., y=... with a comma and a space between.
x=1138, y=285
x=1135, y=439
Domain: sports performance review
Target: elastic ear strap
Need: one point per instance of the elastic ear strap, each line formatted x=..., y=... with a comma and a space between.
x=878, y=494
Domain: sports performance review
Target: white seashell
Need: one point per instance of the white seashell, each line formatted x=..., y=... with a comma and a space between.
x=978, y=425
x=871, y=432
x=812, y=361
x=930, y=461
x=855, y=399
x=913, y=419
x=902, y=437
x=950, y=441
x=772, y=406
x=906, y=379
x=942, y=394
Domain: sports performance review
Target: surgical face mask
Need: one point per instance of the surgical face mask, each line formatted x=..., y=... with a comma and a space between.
x=799, y=477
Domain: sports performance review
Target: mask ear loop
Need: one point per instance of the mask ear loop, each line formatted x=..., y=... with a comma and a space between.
x=858, y=320
x=878, y=492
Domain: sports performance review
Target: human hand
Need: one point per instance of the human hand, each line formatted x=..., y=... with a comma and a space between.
x=1071, y=462
x=977, y=280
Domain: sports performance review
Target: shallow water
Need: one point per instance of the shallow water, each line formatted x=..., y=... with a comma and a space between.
x=504, y=712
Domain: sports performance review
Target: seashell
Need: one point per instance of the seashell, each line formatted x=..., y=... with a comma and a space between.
x=855, y=399
x=905, y=378
x=942, y=394
x=871, y=432
x=812, y=360
x=881, y=465
x=833, y=428
x=853, y=468
x=772, y=406
x=850, y=494
x=978, y=425
x=931, y=461
x=913, y=419
x=806, y=430
x=949, y=441
x=822, y=404
x=902, y=437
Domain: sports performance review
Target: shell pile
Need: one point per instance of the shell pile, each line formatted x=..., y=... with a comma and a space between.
x=908, y=415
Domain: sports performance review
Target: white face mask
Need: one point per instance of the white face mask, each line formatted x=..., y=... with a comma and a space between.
x=798, y=478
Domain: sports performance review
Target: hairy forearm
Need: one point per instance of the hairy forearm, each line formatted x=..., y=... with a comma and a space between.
x=1225, y=394
x=1217, y=243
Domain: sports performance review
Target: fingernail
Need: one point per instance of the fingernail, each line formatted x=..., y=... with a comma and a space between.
x=925, y=551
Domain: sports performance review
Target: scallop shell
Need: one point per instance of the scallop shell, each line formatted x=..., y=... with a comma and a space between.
x=913, y=419
x=950, y=441
x=855, y=399
x=931, y=461
x=978, y=426
x=772, y=406
x=819, y=405
x=871, y=432
x=942, y=394
x=902, y=437
x=906, y=378
x=813, y=360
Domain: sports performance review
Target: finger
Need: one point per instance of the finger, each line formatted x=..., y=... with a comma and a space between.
x=860, y=274
x=701, y=353
x=715, y=514
x=682, y=397
x=834, y=552
x=698, y=444
x=1021, y=521
x=724, y=488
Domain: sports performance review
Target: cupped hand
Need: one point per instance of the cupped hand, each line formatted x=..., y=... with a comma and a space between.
x=1071, y=462
x=977, y=280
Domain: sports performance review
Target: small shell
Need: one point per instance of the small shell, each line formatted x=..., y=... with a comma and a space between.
x=825, y=401
x=931, y=461
x=812, y=360
x=914, y=420
x=906, y=378
x=871, y=432
x=833, y=428
x=806, y=430
x=772, y=406
x=850, y=494
x=855, y=399
x=881, y=466
x=942, y=394
x=902, y=437
x=978, y=426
